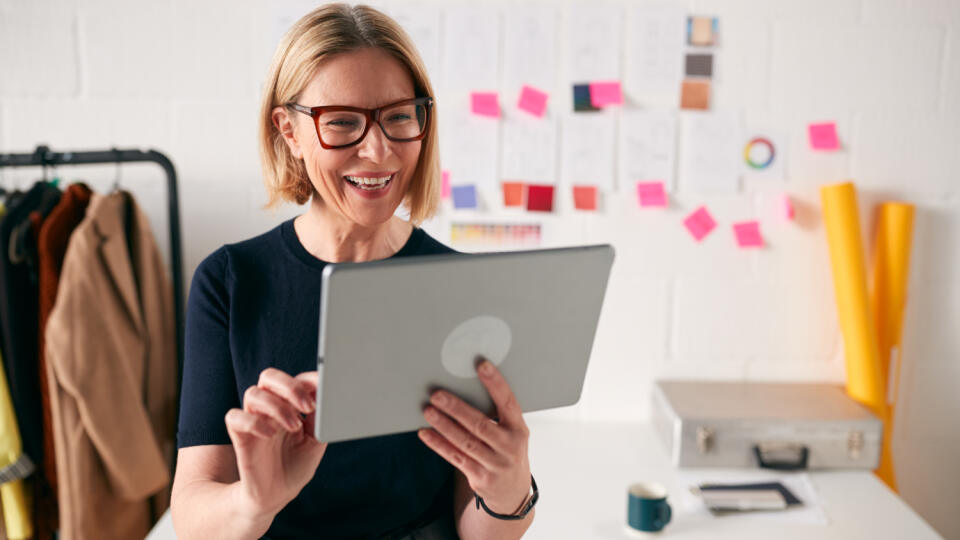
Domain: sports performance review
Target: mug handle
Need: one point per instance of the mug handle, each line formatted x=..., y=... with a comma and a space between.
x=665, y=513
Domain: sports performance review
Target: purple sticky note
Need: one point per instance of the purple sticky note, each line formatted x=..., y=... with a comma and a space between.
x=445, y=185
x=603, y=93
x=748, y=234
x=533, y=101
x=485, y=104
x=700, y=223
x=651, y=194
x=823, y=136
x=464, y=196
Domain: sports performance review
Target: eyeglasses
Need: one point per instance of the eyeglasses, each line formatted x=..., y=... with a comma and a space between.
x=340, y=126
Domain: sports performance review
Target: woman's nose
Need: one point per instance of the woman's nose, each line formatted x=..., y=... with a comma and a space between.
x=375, y=146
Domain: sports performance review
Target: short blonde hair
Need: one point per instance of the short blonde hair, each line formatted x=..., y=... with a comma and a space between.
x=328, y=30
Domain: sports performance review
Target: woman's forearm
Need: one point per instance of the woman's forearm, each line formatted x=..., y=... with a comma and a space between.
x=476, y=524
x=209, y=510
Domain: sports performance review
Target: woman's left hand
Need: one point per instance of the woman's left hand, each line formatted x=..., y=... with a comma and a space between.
x=491, y=455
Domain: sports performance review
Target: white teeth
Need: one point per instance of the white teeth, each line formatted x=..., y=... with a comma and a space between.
x=368, y=181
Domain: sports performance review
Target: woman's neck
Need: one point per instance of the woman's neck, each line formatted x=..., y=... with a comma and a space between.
x=331, y=238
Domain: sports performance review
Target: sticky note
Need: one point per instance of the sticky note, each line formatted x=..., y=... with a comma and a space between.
x=540, y=198
x=513, y=193
x=464, y=196
x=700, y=223
x=445, y=185
x=823, y=136
x=787, y=207
x=695, y=94
x=581, y=98
x=485, y=104
x=604, y=93
x=651, y=194
x=748, y=234
x=585, y=197
x=532, y=101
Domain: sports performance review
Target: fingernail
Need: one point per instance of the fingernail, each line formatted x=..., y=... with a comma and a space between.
x=438, y=398
x=487, y=368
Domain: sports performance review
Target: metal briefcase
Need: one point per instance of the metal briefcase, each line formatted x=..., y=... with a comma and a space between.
x=784, y=426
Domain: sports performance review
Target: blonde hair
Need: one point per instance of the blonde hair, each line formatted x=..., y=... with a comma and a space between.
x=328, y=30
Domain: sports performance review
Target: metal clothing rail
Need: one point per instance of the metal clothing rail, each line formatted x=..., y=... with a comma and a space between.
x=44, y=157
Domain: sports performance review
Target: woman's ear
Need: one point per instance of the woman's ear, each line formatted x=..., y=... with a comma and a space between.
x=285, y=124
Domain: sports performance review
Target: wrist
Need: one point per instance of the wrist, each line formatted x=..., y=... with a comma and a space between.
x=255, y=517
x=526, y=505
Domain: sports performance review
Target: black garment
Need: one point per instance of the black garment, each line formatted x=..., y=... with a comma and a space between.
x=256, y=304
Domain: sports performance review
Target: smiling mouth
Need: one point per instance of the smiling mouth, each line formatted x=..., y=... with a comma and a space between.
x=369, y=184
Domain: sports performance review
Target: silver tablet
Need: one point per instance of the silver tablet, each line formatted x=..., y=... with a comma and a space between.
x=392, y=331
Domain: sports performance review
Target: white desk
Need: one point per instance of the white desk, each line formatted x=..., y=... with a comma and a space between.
x=583, y=471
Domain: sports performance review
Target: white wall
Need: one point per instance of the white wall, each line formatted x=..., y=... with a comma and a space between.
x=183, y=77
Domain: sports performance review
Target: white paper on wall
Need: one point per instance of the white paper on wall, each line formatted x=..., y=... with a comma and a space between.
x=655, y=53
x=471, y=47
x=710, y=151
x=587, y=149
x=529, y=148
x=647, y=148
x=422, y=22
x=529, y=49
x=468, y=145
x=593, y=31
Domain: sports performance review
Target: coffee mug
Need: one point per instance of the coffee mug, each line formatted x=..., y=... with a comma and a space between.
x=647, y=507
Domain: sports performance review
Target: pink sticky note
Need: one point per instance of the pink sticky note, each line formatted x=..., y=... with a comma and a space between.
x=823, y=136
x=603, y=93
x=651, y=194
x=700, y=223
x=533, y=101
x=748, y=234
x=787, y=205
x=485, y=104
x=445, y=185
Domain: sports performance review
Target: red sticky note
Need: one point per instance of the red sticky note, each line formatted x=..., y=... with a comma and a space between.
x=700, y=223
x=651, y=194
x=533, y=101
x=787, y=205
x=513, y=193
x=445, y=185
x=585, y=197
x=603, y=93
x=748, y=234
x=485, y=104
x=823, y=136
x=540, y=198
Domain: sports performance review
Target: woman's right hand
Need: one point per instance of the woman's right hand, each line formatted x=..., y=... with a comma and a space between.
x=276, y=451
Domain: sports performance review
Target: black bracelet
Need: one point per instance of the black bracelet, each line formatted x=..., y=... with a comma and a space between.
x=523, y=512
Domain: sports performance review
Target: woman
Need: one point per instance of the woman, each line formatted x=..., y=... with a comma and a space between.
x=347, y=124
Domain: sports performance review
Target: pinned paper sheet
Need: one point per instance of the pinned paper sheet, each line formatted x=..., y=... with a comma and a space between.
x=470, y=146
x=471, y=47
x=748, y=234
x=528, y=147
x=464, y=196
x=700, y=223
x=656, y=36
x=651, y=194
x=529, y=46
x=585, y=197
x=540, y=198
x=604, y=93
x=823, y=136
x=445, y=185
x=711, y=159
x=513, y=193
x=592, y=41
x=485, y=104
x=647, y=150
x=587, y=149
x=532, y=101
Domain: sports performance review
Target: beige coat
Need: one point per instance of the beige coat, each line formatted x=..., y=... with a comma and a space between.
x=111, y=365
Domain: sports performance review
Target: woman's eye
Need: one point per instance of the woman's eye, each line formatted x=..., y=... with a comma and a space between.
x=341, y=123
x=399, y=117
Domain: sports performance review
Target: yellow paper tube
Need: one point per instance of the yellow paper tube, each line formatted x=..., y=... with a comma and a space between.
x=891, y=269
x=842, y=221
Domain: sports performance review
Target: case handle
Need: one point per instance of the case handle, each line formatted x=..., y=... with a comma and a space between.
x=763, y=453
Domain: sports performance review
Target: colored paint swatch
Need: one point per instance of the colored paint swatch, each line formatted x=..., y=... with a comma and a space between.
x=445, y=184
x=700, y=223
x=702, y=31
x=485, y=104
x=540, y=198
x=823, y=136
x=605, y=93
x=513, y=193
x=464, y=196
x=651, y=194
x=695, y=95
x=532, y=101
x=748, y=234
x=585, y=197
x=581, y=98
x=699, y=65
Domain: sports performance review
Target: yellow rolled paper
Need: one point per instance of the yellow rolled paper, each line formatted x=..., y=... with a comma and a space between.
x=891, y=271
x=840, y=215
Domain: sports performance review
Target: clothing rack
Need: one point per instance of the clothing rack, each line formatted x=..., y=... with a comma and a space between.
x=44, y=157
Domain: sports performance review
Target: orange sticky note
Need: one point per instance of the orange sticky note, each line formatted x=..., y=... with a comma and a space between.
x=651, y=194
x=513, y=193
x=748, y=234
x=445, y=185
x=485, y=104
x=823, y=136
x=585, y=197
x=603, y=93
x=533, y=101
x=540, y=198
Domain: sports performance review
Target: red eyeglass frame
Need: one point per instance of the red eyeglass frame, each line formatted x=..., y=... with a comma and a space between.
x=372, y=117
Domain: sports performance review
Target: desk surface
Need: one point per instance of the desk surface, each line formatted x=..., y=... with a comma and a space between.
x=583, y=471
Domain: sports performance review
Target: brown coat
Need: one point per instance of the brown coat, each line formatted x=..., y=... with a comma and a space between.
x=111, y=365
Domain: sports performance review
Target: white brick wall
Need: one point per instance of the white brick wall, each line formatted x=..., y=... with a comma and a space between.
x=183, y=76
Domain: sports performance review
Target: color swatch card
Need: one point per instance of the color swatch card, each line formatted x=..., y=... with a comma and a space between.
x=582, y=101
x=529, y=46
x=532, y=101
x=702, y=31
x=529, y=147
x=699, y=223
x=540, y=198
x=651, y=194
x=513, y=193
x=585, y=197
x=655, y=45
x=593, y=41
x=647, y=146
x=699, y=65
x=470, y=145
x=464, y=197
x=710, y=152
x=470, y=47
x=587, y=149
x=695, y=95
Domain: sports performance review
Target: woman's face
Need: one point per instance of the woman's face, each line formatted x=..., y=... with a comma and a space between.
x=367, y=78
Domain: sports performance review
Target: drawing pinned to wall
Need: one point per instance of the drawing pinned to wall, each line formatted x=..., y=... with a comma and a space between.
x=648, y=146
x=533, y=101
x=529, y=46
x=655, y=43
x=585, y=197
x=470, y=47
x=513, y=193
x=605, y=93
x=582, y=101
x=464, y=197
x=445, y=184
x=698, y=65
x=469, y=149
x=695, y=94
x=593, y=31
x=587, y=149
x=528, y=149
x=748, y=234
x=823, y=136
x=540, y=198
x=496, y=234
x=710, y=159
x=651, y=195
x=485, y=104
x=702, y=31
x=699, y=223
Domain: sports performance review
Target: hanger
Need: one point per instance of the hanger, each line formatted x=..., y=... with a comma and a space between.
x=116, y=178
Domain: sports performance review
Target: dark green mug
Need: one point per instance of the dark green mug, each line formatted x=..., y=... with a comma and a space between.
x=647, y=507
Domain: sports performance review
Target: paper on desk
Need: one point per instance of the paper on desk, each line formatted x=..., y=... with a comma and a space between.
x=690, y=506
